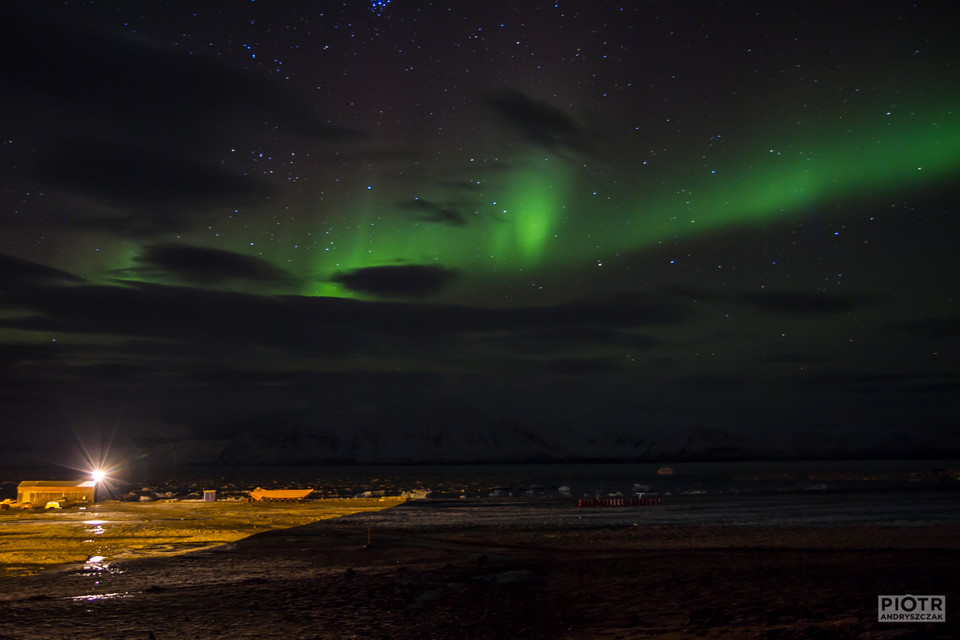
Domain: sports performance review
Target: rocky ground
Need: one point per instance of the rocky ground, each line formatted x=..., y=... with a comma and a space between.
x=397, y=574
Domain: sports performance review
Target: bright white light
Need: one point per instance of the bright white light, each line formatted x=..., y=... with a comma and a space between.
x=98, y=475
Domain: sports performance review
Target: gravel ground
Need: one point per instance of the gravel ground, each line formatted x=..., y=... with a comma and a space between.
x=431, y=570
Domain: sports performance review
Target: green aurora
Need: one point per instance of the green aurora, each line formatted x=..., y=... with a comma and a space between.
x=542, y=216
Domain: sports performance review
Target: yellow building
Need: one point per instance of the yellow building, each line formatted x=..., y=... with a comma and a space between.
x=39, y=492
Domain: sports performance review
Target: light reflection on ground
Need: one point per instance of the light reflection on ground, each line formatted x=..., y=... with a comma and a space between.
x=31, y=541
x=96, y=527
x=93, y=597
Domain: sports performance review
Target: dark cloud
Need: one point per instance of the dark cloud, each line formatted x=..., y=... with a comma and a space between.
x=794, y=358
x=624, y=310
x=397, y=281
x=710, y=384
x=89, y=217
x=181, y=314
x=127, y=81
x=109, y=372
x=583, y=366
x=932, y=327
x=694, y=294
x=427, y=211
x=193, y=265
x=188, y=356
x=539, y=122
x=365, y=382
x=806, y=304
x=185, y=323
x=143, y=179
x=133, y=138
x=949, y=388
x=21, y=363
x=882, y=384
x=158, y=319
x=548, y=339
x=16, y=272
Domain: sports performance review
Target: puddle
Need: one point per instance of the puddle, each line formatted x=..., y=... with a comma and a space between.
x=97, y=564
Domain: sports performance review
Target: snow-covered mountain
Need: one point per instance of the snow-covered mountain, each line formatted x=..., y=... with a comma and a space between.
x=504, y=443
x=366, y=445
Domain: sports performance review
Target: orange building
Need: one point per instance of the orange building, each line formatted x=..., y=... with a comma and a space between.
x=40, y=492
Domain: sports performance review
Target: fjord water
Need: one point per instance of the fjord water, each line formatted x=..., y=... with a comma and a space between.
x=887, y=492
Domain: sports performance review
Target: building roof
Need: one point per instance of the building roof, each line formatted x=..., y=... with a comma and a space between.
x=73, y=484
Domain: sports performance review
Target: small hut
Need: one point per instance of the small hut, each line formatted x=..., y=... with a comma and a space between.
x=44, y=491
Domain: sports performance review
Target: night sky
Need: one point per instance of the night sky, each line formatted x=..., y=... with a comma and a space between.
x=580, y=219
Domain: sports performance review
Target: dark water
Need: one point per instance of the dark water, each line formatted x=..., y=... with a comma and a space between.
x=591, y=480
